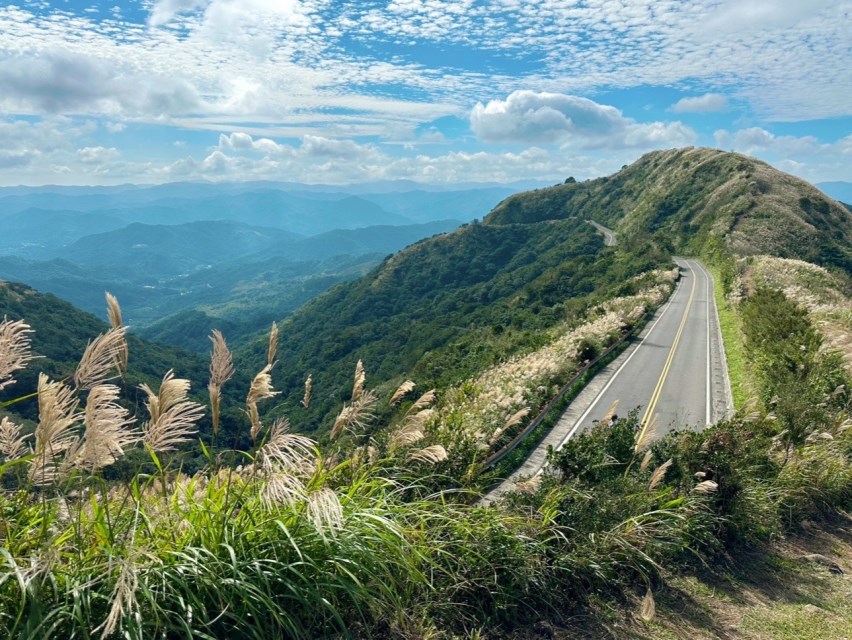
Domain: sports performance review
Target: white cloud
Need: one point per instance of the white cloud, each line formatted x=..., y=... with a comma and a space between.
x=115, y=127
x=531, y=117
x=97, y=155
x=707, y=103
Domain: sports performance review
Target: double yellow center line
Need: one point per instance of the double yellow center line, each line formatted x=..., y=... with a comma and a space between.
x=659, y=388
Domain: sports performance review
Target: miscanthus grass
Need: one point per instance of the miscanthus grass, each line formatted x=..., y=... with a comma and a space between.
x=355, y=540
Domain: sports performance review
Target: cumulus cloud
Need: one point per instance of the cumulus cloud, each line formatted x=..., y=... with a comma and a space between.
x=533, y=117
x=707, y=103
x=240, y=141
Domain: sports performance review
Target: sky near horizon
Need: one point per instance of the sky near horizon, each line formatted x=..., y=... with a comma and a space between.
x=436, y=91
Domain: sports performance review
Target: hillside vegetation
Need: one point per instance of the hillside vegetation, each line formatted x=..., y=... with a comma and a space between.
x=687, y=197
x=376, y=533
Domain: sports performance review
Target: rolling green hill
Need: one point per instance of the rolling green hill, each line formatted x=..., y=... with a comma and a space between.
x=685, y=197
x=447, y=307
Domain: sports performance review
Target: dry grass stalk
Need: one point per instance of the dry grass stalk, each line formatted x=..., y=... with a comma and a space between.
x=272, y=351
x=658, y=475
x=221, y=370
x=358, y=414
x=429, y=455
x=283, y=488
x=649, y=607
x=221, y=361
x=12, y=442
x=57, y=410
x=107, y=434
x=646, y=460
x=420, y=418
x=123, y=597
x=15, y=349
x=261, y=389
x=309, y=386
x=403, y=389
x=101, y=356
x=407, y=435
x=529, y=486
x=115, y=321
x=173, y=416
x=646, y=436
x=421, y=403
x=359, y=382
x=325, y=511
x=610, y=413
x=513, y=420
x=290, y=451
x=708, y=486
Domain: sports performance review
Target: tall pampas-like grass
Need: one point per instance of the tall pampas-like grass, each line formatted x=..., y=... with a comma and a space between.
x=355, y=415
x=429, y=455
x=261, y=389
x=15, y=349
x=115, y=321
x=13, y=442
x=289, y=451
x=272, y=350
x=54, y=434
x=173, y=417
x=108, y=429
x=101, y=357
x=221, y=370
x=401, y=391
x=359, y=382
x=309, y=387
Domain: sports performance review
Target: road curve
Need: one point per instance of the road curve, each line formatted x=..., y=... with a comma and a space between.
x=675, y=371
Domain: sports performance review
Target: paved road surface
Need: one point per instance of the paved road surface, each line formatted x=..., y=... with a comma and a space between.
x=609, y=235
x=675, y=371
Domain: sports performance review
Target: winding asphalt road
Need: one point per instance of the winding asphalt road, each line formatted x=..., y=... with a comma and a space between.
x=675, y=373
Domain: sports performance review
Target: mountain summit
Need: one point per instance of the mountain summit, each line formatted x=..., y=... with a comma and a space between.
x=687, y=196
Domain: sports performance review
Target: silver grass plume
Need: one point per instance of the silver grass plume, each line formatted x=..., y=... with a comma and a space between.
x=123, y=596
x=708, y=486
x=646, y=460
x=355, y=415
x=646, y=436
x=513, y=420
x=406, y=436
x=100, y=357
x=15, y=348
x=221, y=370
x=325, y=511
x=107, y=433
x=57, y=411
x=288, y=451
x=422, y=402
x=610, y=412
x=261, y=389
x=429, y=455
x=12, y=443
x=359, y=382
x=649, y=607
x=115, y=321
x=173, y=416
x=401, y=391
x=658, y=475
x=272, y=351
x=309, y=386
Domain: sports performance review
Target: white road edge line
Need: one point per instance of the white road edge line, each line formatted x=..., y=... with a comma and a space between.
x=709, y=367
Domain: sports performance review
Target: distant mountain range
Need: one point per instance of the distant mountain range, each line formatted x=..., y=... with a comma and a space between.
x=230, y=255
x=838, y=190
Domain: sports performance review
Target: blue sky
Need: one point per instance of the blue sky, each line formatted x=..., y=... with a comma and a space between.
x=435, y=91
